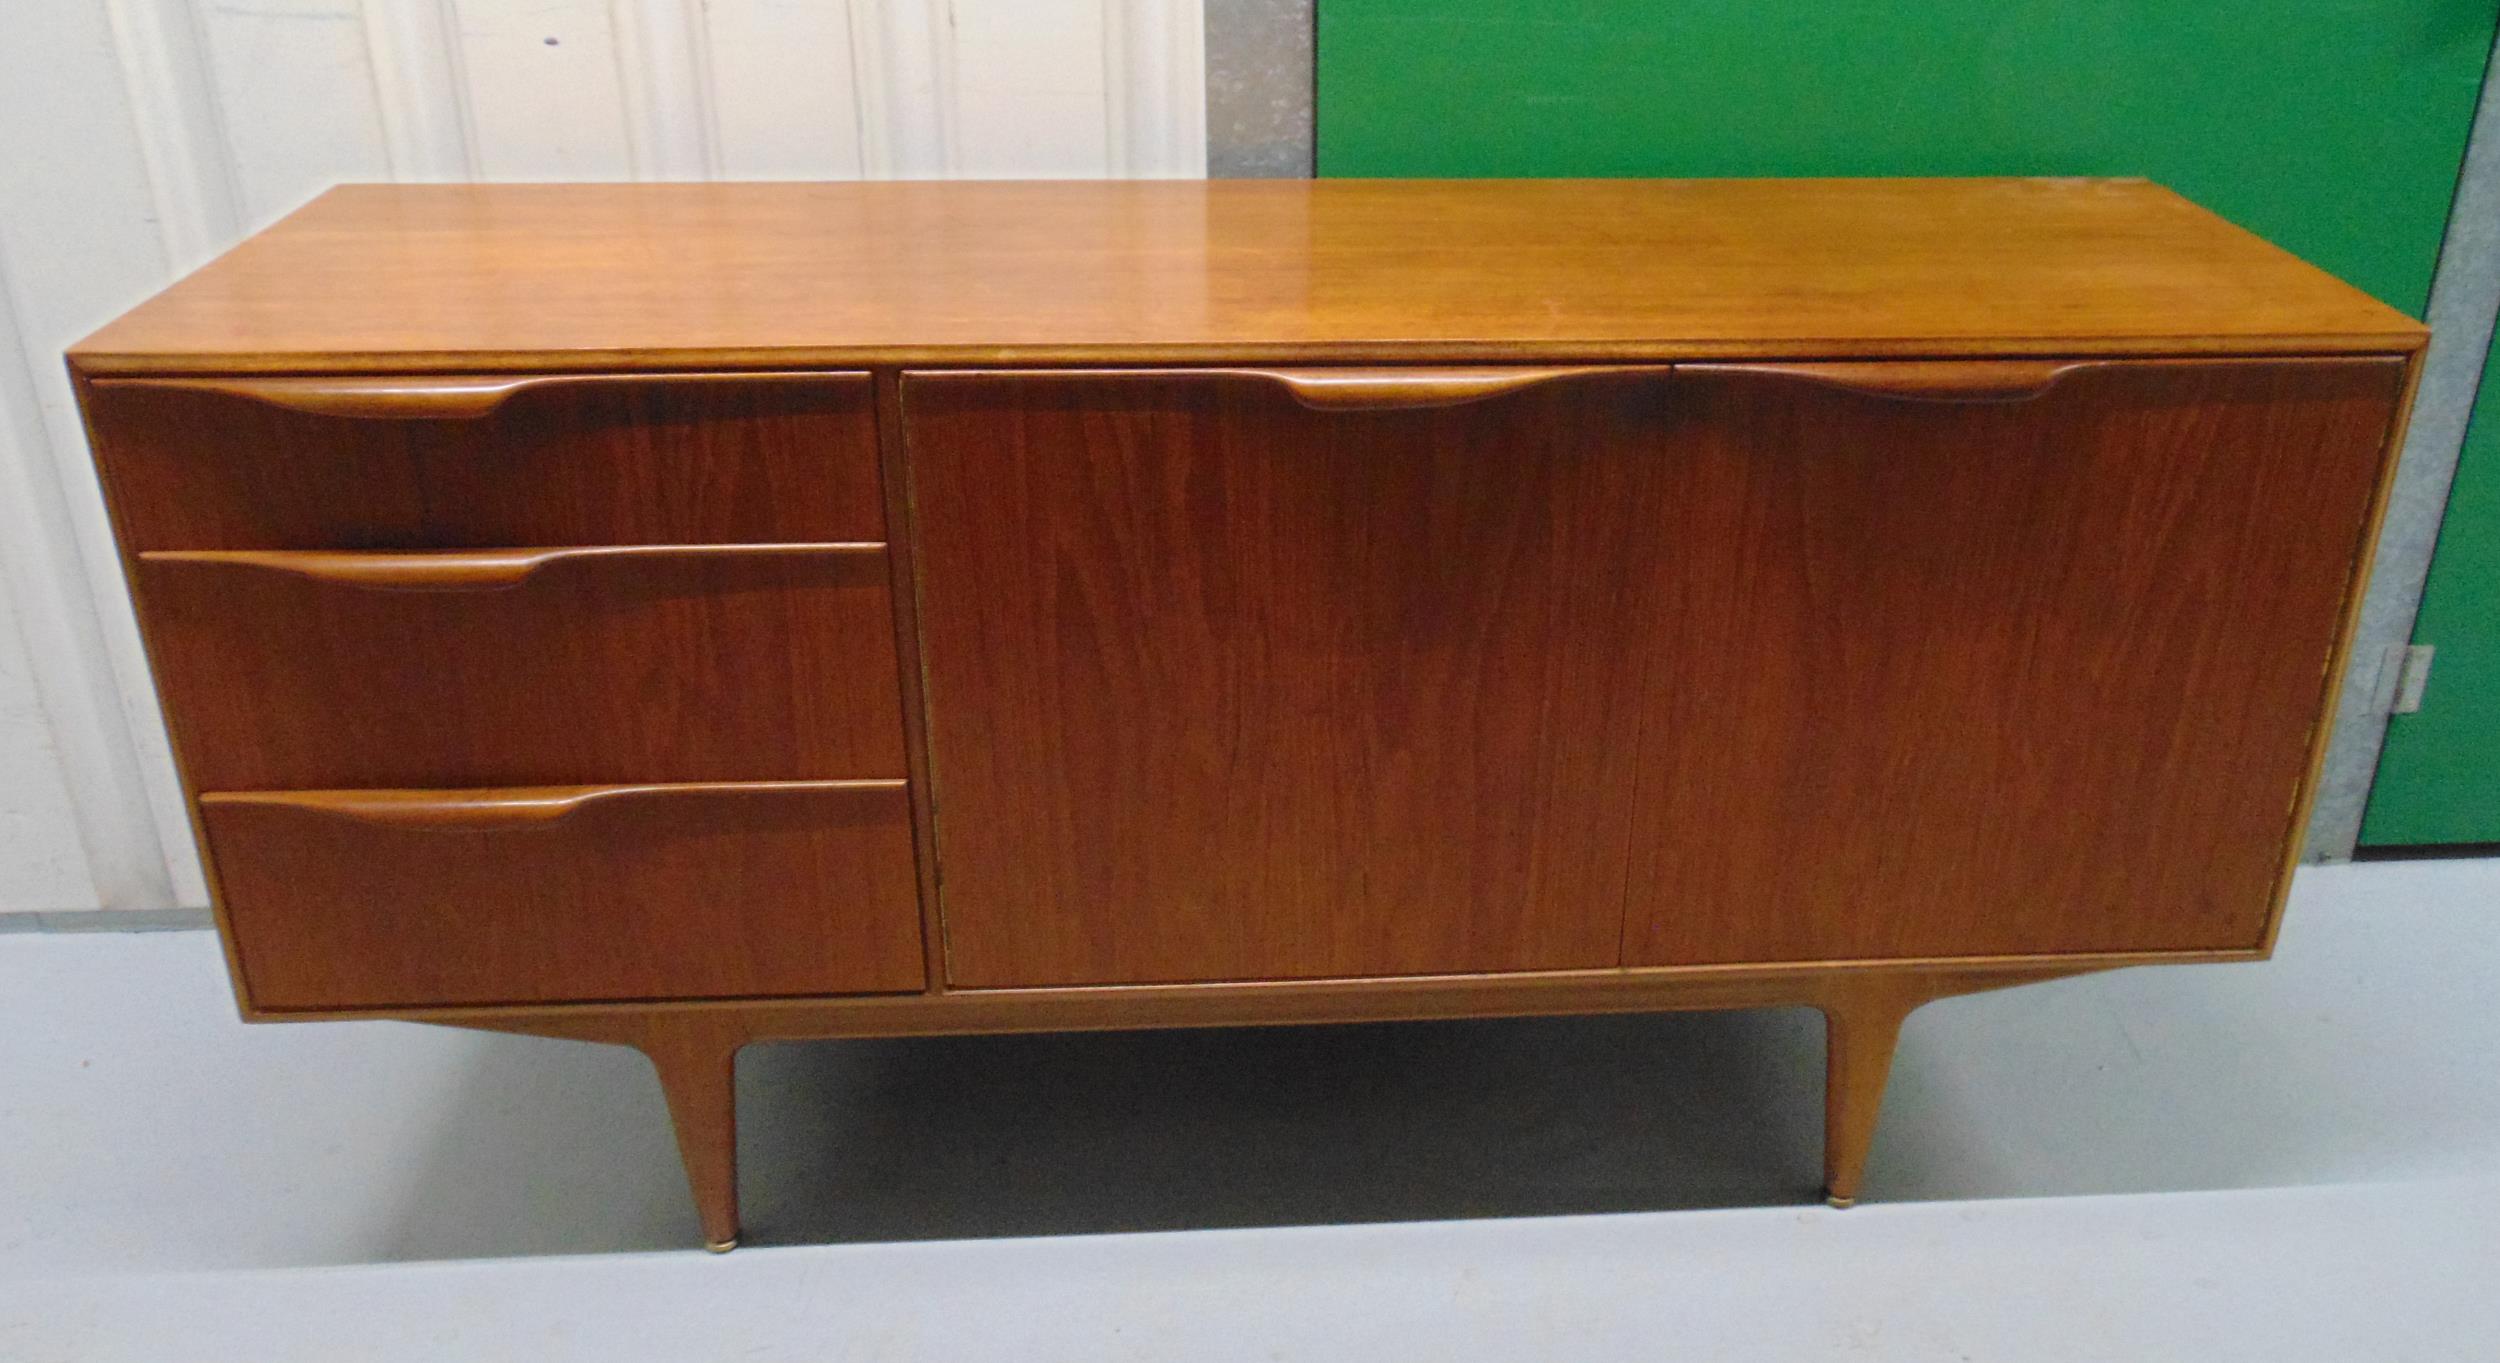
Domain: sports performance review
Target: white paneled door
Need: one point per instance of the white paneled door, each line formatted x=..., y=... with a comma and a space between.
x=140, y=137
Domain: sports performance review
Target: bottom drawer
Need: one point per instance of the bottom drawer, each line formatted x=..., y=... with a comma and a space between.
x=369, y=899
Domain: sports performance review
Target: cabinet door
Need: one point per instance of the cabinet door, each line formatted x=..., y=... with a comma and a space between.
x=1231, y=677
x=1243, y=675
x=1956, y=660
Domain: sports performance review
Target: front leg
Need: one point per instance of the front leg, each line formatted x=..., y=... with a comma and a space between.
x=1860, y=1028
x=697, y=1064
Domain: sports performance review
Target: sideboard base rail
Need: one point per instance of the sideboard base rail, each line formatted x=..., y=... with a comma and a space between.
x=694, y=1048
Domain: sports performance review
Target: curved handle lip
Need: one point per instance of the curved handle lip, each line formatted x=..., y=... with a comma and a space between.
x=474, y=570
x=499, y=808
x=1947, y=381
x=1395, y=388
x=1349, y=388
x=446, y=397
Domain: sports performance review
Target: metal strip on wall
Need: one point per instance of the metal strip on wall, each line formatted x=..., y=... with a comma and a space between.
x=1259, y=89
x=2465, y=294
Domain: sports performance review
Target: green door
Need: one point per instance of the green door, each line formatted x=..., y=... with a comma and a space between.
x=2335, y=130
x=2439, y=777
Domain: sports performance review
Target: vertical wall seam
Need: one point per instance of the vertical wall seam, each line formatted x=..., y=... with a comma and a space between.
x=193, y=216
x=629, y=61
x=408, y=52
x=662, y=54
x=868, y=90
x=1185, y=90
x=943, y=88
x=1118, y=92
x=706, y=85
x=903, y=52
x=398, y=139
x=1154, y=87
x=463, y=96
x=224, y=159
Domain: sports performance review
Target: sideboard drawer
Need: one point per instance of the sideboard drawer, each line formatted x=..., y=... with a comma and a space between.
x=450, y=462
x=361, y=899
x=288, y=671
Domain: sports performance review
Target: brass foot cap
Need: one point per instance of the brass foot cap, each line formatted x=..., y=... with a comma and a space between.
x=721, y=1246
x=1841, y=1204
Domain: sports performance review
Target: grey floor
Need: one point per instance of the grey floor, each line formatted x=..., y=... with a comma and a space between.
x=2311, y=1139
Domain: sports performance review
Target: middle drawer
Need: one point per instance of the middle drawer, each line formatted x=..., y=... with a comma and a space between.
x=292, y=670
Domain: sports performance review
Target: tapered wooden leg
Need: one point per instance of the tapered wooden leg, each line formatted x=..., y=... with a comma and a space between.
x=698, y=1066
x=1859, y=1030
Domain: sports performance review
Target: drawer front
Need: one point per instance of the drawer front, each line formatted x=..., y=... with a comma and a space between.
x=432, y=463
x=284, y=671
x=366, y=899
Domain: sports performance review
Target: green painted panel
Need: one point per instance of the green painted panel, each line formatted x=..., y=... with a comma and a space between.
x=2334, y=127
x=2439, y=777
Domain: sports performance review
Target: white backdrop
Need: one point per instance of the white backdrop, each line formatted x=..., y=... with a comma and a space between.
x=140, y=137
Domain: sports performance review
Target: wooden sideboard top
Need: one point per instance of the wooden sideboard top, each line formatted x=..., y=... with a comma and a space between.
x=459, y=277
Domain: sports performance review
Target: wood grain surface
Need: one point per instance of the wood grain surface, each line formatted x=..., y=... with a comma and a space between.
x=517, y=896
x=1224, y=687
x=480, y=277
x=592, y=459
x=724, y=663
x=1714, y=667
x=1943, y=678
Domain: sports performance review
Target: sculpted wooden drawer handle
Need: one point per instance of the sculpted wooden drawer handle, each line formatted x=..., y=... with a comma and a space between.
x=472, y=570
x=507, y=808
x=1384, y=390
x=1922, y=380
x=402, y=397
x=440, y=398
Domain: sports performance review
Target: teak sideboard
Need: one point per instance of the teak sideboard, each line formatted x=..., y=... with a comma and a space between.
x=685, y=615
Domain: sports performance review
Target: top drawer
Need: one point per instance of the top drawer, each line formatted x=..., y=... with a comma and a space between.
x=489, y=462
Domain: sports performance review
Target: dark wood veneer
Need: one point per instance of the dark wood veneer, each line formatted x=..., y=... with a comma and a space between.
x=1731, y=665
x=541, y=460
x=747, y=663
x=416, y=898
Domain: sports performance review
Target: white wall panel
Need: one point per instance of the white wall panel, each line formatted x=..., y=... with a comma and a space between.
x=296, y=99
x=1029, y=89
x=906, y=76
x=784, y=100
x=543, y=92
x=664, y=78
x=169, y=105
x=140, y=137
x=420, y=96
x=82, y=236
x=1154, y=66
x=43, y=865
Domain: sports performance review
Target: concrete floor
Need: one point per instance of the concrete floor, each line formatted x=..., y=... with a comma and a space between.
x=175, y=1184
